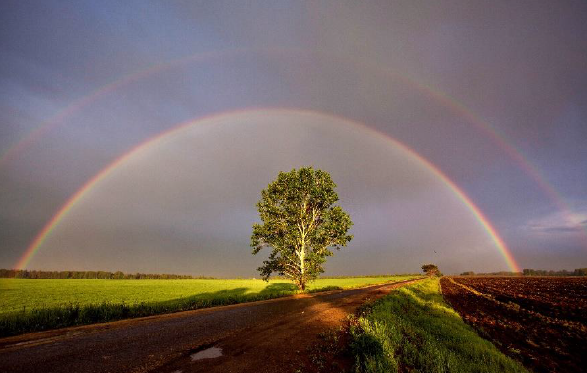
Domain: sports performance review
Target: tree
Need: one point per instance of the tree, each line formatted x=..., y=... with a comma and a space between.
x=300, y=224
x=430, y=269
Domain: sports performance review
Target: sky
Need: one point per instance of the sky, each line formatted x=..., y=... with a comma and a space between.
x=137, y=136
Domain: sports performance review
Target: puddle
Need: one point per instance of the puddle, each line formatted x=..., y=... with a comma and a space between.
x=208, y=353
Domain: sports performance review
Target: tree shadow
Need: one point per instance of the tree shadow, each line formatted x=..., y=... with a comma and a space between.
x=279, y=288
x=73, y=314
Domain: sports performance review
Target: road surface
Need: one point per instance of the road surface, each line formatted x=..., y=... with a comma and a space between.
x=265, y=336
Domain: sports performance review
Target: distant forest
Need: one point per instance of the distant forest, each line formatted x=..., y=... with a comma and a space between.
x=14, y=273
x=532, y=272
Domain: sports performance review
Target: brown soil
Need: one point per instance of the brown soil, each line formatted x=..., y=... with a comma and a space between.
x=537, y=321
x=303, y=333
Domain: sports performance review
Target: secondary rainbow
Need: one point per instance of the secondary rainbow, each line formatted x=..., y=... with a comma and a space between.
x=94, y=181
x=491, y=132
x=77, y=105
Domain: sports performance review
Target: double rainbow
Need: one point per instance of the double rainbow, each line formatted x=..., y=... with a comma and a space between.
x=444, y=99
x=447, y=101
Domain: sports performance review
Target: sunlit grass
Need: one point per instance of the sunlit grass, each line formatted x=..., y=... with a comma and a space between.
x=413, y=329
x=32, y=305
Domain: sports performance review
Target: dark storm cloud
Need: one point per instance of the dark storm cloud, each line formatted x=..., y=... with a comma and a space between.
x=519, y=66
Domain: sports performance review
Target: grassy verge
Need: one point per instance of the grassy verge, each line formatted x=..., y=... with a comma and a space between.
x=36, y=305
x=413, y=329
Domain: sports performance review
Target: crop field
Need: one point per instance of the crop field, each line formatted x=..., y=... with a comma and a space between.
x=32, y=305
x=540, y=321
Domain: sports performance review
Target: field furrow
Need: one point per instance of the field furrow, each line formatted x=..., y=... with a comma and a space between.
x=542, y=342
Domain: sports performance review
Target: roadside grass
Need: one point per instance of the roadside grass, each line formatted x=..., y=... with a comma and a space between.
x=413, y=329
x=36, y=305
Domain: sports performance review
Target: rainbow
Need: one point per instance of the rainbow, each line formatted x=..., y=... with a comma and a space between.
x=79, y=104
x=428, y=90
x=103, y=174
x=513, y=152
x=491, y=132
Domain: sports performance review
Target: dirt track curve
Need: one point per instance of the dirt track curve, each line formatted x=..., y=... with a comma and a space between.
x=266, y=336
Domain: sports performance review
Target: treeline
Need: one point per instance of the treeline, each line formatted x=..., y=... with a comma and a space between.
x=532, y=272
x=500, y=273
x=564, y=272
x=20, y=273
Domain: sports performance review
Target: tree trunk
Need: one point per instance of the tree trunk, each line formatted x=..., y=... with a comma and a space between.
x=303, y=265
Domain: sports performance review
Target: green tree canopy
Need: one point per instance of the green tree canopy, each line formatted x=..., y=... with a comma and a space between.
x=430, y=269
x=300, y=223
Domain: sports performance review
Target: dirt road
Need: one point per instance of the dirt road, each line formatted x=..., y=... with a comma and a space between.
x=266, y=336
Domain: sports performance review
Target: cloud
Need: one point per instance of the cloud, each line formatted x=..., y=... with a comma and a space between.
x=558, y=222
x=561, y=229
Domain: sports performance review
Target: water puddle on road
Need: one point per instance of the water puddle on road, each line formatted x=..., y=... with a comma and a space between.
x=209, y=353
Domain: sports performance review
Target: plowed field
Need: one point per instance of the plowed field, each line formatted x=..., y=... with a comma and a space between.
x=540, y=321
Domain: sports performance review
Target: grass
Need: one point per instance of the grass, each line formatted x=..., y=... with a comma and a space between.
x=414, y=330
x=35, y=305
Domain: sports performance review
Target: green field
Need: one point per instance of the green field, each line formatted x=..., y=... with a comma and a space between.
x=32, y=305
x=414, y=330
